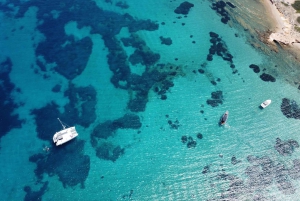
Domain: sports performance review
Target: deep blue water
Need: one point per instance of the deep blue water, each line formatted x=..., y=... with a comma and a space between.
x=145, y=84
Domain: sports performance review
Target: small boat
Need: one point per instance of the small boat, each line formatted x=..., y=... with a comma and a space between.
x=65, y=135
x=265, y=103
x=224, y=118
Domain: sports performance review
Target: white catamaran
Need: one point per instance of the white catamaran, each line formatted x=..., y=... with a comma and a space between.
x=65, y=135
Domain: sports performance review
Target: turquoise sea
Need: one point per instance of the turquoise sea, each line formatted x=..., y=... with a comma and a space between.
x=145, y=84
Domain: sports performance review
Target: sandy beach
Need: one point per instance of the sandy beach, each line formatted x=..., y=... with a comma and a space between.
x=285, y=17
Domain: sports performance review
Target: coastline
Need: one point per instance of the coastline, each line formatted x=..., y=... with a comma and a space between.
x=258, y=20
x=284, y=17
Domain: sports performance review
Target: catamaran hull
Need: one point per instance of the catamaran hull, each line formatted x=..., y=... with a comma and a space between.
x=64, y=136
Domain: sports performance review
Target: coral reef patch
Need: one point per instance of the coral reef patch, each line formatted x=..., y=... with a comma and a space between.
x=199, y=136
x=174, y=124
x=234, y=160
x=216, y=99
x=255, y=68
x=206, y=169
x=79, y=110
x=219, y=7
x=286, y=148
x=165, y=41
x=81, y=107
x=156, y=76
x=219, y=48
x=184, y=139
x=262, y=173
x=69, y=175
x=35, y=195
x=108, y=128
x=56, y=88
x=106, y=150
x=125, y=196
x=122, y=4
x=189, y=141
x=264, y=76
x=7, y=105
x=267, y=78
x=70, y=54
x=45, y=119
x=184, y=8
x=290, y=108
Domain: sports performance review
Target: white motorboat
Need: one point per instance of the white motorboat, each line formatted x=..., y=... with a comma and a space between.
x=65, y=135
x=224, y=118
x=266, y=103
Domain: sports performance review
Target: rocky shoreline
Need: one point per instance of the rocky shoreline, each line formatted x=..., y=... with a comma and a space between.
x=286, y=18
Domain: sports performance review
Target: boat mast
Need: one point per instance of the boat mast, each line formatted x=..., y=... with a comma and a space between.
x=61, y=123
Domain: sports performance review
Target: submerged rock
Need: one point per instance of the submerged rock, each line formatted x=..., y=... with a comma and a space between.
x=184, y=139
x=234, y=161
x=184, y=8
x=9, y=119
x=290, y=108
x=206, y=169
x=286, y=148
x=165, y=41
x=69, y=175
x=35, y=195
x=108, y=151
x=255, y=68
x=294, y=172
x=108, y=128
x=219, y=7
x=191, y=144
x=199, y=136
x=219, y=48
x=217, y=99
x=174, y=125
x=267, y=78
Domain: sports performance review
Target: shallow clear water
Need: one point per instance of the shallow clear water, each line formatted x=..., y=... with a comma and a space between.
x=139, y=105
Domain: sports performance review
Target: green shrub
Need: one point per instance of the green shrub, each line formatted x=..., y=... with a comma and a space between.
x=285, y=4
x=298, y=19
x=296, y=5
x=297, y=29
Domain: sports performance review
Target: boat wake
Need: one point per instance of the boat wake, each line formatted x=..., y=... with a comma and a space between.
x=227, y=125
